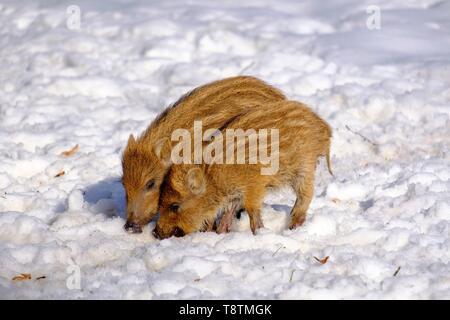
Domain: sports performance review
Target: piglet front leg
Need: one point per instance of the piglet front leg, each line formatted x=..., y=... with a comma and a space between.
x=209, y=226
x=227, y=217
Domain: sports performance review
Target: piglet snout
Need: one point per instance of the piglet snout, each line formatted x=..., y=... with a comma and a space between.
x=178, y=232
x=156, y=233
x=132, y=227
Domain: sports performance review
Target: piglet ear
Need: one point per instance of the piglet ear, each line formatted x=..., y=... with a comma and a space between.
x=131, y=141
x=163, y=149
x=196, y=180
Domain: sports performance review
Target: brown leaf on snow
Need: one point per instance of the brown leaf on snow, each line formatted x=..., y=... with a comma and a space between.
x=336, y=200
x=22, y=277
x=322, y=261
x=60, y=174
x=70, y=152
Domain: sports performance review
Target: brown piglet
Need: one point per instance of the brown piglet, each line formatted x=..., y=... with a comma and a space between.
x=146, y=159
x=192, y=194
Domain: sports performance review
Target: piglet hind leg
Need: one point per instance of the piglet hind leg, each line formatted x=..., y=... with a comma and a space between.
x=304, y=190
x=227, y=217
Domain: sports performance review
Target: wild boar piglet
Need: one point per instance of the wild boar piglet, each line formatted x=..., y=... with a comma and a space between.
x=286, y=155
x=146, y=159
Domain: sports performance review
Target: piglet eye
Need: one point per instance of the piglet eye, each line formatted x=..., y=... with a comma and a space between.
x=174, y=207
x=150, y=184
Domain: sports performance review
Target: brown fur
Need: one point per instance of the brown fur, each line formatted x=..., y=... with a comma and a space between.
x=146, y=158
x=201, y=190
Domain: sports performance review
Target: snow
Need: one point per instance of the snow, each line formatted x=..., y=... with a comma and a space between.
x=383, y=220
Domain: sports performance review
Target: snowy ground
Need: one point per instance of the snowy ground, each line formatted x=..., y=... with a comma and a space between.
x=385, y=92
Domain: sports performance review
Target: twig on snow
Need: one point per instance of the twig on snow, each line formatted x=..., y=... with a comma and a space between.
x=360, y=135
x=292, y=274
x=277, y=250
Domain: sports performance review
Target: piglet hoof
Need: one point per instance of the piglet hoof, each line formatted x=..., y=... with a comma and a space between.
x=294, y=224
x=257, y=224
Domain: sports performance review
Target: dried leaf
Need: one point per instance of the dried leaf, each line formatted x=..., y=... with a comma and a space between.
x=22, y=277
x=40, y=278
x=70, y=152
x=322, y=261
x=60, y=174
